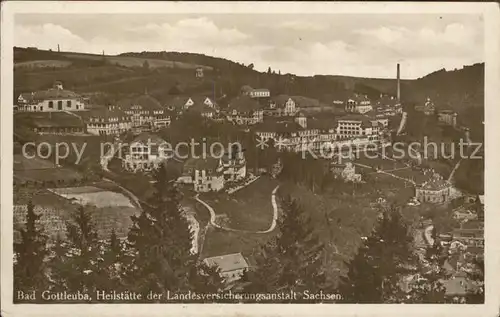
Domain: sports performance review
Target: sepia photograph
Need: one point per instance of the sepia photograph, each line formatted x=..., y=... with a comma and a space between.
x=166, y=155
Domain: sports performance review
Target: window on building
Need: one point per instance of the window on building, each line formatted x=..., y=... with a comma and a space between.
x=51, y=104
x=59, y=105
x=68, y=103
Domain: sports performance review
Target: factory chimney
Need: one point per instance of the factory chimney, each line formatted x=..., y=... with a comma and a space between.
x=399, y=85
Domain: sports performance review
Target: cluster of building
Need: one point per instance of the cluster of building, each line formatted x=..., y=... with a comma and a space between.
x=436, y=190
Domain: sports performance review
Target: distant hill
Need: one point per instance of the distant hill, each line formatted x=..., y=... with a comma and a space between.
x=126, y=73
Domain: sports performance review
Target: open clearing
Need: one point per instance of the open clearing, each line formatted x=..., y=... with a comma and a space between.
x=136, y=61
x=90, y=195
x=248, y=209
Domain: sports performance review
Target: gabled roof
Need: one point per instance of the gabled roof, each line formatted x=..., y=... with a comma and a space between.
x=436, y=182
x=150, y=138
x=357, y=117
x=52, y=119
x=202, y=163
x=243, y=104
x=52, y=93
x=305, y=102
x=177, y=102
x=145, y=101
x=278, y=125
x=228, y=262
x=103, y=113
x=280, y=100
x=321, y=123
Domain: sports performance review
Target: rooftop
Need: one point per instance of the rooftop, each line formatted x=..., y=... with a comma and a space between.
x=243, y=104
x=147, y=137
x=202, y=163
x=52, y=93
x=145, y=101
x=228, y=262
x=436, y=182
x=49, y=119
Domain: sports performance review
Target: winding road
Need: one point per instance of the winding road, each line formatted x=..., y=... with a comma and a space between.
x=271, y=228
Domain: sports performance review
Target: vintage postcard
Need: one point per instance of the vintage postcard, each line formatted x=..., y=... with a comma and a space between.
x=250, y=159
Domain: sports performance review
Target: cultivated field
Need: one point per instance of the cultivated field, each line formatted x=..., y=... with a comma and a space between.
x=136, y=61
x=42, y=64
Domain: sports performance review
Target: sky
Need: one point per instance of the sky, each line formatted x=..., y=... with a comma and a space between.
x=364, y=45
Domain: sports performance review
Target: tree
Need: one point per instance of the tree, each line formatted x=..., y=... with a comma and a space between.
x=269, y=70
x=77, y=265
x=293, y=261
x=145, y=65
x=160, y=243
x=30, y=253
x=428, y=287
x=475, y=295
x=381, y=264
x=251, y=66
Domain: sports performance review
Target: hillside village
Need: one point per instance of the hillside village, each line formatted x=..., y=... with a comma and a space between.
x=237, y=193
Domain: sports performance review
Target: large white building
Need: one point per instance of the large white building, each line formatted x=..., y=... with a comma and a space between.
x=436, y=190
x=107, y=121
x=354, y=126
x=358, y=104
x=211, y=174
x=205, y=174
x=145, y=153
x=146, y=113
x=50, y=100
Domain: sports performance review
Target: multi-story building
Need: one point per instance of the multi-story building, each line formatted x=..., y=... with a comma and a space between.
x=50, y=100
x=260, y=93
x=211, y=174
x=436, y=190
x=205, y=174
x=145, y=153
x=146, y=113
x=203, y=105
x=358, y=104
x=346, y=171
x=428, y=108
x=107, y=121
x=448, y=117
x=282, y=105
x=355, y=126
x=234, y=166
x=62, y=123
x=244, y=110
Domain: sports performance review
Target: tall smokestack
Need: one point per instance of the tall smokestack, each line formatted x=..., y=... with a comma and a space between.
x=399, y=86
